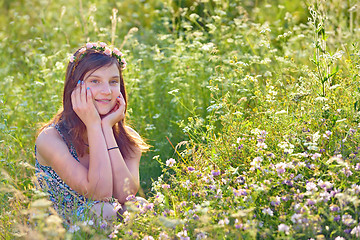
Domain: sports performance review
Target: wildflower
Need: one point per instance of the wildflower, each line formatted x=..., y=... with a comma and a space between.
x=74, y=228
x=102, y=44
x=287, y=147
x=310, y=186
x=352, y=131
x=89, y=45
x=325, y=196
x=215, y=173
x=72, y=58
x=165, y=186
x=117, y=52
x=337, y=218
x=159, y=198
x=347, y=220
x=183, y=235
x=296, y=217
x=191, y=169
x=357, y=167
x=238, y=140
x=148, y=238
x=149, y=206
x=82, y=50
x=315, y=156
x=261, y=145
x=163, y=236
x=113, y=234
x=280, y=167
x=239, y=192
x=334, y=208
x=268, y=211
x=223, y=222
x=310, y=202
x=284, y=228
x=356, y=231
x=130, y=197
x=339, y=238
x=325, y=185
x=276, y=202
x=124, y=63
x=201, y=235
x=90, y=223
x=170, y=162
x=240, y=180
x=107, y=51
x=237, y=224
x=256, y=163
x=347, y=172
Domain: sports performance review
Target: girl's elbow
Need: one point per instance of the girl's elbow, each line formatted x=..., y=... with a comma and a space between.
x=100, y=194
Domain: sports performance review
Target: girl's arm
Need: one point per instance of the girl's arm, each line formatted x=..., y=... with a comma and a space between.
x=96, y=182
x=125, y=172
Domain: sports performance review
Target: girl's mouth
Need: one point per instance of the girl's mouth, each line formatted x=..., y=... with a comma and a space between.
x=103, y=100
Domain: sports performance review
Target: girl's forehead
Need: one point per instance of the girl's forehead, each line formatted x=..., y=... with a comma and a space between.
x=104, y=71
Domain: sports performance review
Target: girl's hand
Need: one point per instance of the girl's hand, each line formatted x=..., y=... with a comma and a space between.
x=83, y=105
x=116, y=114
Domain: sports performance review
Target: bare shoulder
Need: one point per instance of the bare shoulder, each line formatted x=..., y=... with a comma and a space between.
x=49, y=143
x=47, y=137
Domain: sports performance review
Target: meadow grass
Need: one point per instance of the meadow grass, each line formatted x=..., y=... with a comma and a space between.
x=252, y=108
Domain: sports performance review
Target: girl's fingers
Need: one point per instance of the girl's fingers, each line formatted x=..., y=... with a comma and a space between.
x=77, y=92
x=88, y=95
x=75, y=95
x=82, y=92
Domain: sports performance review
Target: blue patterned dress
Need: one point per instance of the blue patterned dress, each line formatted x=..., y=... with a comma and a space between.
x=66, y=201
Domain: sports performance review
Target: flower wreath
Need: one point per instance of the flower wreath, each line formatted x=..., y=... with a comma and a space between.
x=100, y=47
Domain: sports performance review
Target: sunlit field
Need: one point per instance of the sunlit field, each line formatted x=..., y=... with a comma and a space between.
x=252, y=109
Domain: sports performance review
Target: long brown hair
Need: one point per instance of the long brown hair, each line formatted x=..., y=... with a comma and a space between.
x=72, y=127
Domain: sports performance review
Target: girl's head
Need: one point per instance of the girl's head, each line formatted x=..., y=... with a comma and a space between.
x=101, y=71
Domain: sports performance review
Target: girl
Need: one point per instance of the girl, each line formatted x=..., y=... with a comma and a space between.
x=87, y=157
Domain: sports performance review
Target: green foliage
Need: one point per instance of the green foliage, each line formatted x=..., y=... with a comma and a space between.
x=252, y=109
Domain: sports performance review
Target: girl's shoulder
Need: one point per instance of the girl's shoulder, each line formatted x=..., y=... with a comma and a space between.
x=47, y=135
x=45, y=142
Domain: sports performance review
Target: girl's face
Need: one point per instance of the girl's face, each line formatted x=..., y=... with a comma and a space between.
x=104, y=84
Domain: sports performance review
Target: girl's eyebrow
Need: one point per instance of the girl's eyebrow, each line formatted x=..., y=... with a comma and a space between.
x=96, y=76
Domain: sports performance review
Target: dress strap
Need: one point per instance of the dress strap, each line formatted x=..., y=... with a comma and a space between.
x=64, y=132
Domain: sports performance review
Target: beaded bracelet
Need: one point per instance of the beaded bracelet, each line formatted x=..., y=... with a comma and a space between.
x=112, y=148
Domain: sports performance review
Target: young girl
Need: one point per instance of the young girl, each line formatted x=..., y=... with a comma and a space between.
x=86, y=157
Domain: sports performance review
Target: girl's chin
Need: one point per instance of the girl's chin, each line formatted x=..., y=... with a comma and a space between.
x=103, y=115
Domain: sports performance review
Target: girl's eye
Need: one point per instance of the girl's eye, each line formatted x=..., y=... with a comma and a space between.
x=114, y=81
x=94, y=81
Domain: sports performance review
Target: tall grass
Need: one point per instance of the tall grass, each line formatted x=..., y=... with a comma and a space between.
x=256, y=102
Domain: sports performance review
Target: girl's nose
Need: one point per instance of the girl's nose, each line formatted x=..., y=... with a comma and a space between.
x=106, y=89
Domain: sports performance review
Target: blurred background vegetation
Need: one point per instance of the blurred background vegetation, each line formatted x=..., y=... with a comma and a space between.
x=176, y=51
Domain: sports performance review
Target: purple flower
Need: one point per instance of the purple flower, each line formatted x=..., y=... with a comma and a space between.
x=215, y=173
x=356, y=231
x=310, y=202
x=191, y=169
x=239, y=192
x=334, y=208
